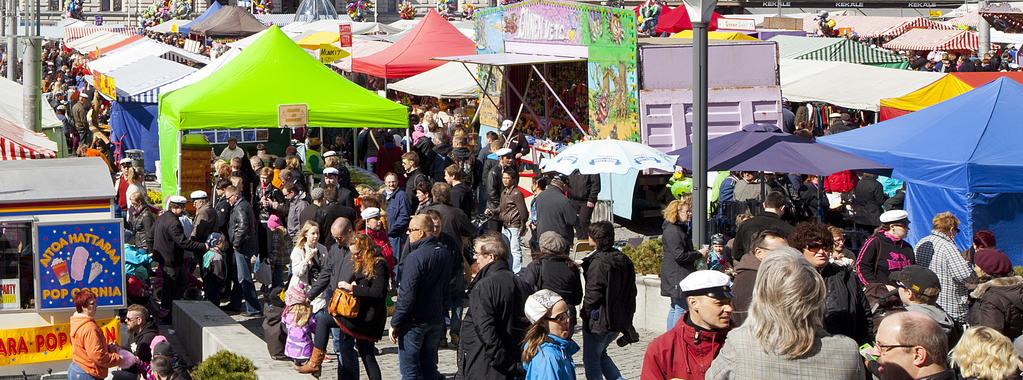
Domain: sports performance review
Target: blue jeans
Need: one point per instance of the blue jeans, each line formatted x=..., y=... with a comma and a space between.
x=515, y=248
x=417, y=351
x=74, y=372
x=396, y=244
x=675, y=312
x=243, y=279
x=595, y=360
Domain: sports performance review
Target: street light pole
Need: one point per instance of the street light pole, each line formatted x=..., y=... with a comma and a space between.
x=984, y=29
x=700, y=12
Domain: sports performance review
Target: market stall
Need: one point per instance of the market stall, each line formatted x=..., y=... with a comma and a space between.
x=837, y=49
x=228, y=22
x=58, y=236
x=433, y=37
x=77, y=30
x=169, y=26
x=948, y=87
x=212, y=9
x=146, y=48
x=861, y=87
x=95, y=54
x=279, y=19
x=935, y=40
x=877, y=26
x=95, y=40
x=17, y=143
x=448, y=81
x=247, y=91
x=969, y=172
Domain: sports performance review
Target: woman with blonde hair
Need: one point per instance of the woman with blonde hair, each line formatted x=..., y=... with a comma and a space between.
x=784, y=336
x=680, y=258
x=939, y=253
x=985, y=354
x=304, y=255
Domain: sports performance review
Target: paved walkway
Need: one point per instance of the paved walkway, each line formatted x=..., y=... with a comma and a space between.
x=628, y=358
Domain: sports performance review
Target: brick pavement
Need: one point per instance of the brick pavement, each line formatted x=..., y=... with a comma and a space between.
x=629, y=358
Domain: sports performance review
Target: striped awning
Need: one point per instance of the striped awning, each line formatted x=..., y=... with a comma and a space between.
x=845, y=50
x=17, y=143
x=140, y=81
x=971, y=19
x=939, y=40
x=915, y=23
x=279, y=19
x=76, y=31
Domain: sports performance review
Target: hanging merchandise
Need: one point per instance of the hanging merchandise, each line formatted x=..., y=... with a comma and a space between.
x=448, y=8
x=406, y=11
x=262, y=6
x=358, y=10
x=164, y=10
x=74, y=9
x=468, y=10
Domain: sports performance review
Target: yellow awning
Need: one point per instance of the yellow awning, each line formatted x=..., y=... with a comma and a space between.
x=942, y=89
x=734, y=36
x=313, y=41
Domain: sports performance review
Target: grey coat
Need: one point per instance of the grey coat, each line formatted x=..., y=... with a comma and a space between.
x=833, y=357
x=205, y=223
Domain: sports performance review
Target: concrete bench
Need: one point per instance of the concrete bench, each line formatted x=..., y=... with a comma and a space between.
x=204, y=329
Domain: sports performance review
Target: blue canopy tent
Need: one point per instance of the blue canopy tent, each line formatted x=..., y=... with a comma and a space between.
x=133, y=126
x=961, y=156
x=213, y=8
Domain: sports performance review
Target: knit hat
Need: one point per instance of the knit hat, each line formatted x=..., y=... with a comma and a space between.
x=539, y=303
x=553, y=242
x=293, y=296
x=214, y=239
x=993, y=262
x=273, y=222
x=316, y=194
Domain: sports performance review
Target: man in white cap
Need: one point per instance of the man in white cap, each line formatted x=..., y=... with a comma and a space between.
x=884, y=253
x=205, y=222
x=170, y=244
x=123, y=182
x=330, y=180
x=687, y=350
x=514, y=140
x=836, y=124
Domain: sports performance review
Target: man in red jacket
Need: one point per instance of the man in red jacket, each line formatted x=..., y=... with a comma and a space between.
x=687, y=350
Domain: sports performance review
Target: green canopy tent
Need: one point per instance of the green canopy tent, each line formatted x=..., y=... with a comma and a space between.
x=837, y=49
x=246, y=93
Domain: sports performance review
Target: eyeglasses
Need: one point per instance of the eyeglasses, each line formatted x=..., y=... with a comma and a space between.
x=562, y=317
x=882, y=348
x=411, y=230
x=815, y=246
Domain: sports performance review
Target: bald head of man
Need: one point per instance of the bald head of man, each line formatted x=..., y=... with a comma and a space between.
x=911, y=345
x=420, y=227
x=341, y=230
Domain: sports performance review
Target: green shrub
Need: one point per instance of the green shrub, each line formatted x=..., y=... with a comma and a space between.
x=225, y=365
x=1018, y=270
x=646, y=256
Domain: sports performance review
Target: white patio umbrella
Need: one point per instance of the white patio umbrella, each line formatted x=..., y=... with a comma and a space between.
x=608, y=156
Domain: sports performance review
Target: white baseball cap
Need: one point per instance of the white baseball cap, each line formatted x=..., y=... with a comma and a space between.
x=198, y=194
x=540, y=303
x=506, y=125
x=709, y=283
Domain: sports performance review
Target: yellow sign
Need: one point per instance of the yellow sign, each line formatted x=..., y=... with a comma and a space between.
x=174, y=27
x=330, y=53
x=934, y=14
x=292, y=115
x=105, y=85
x=47, y=343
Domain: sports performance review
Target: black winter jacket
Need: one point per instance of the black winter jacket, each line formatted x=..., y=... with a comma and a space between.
x=557, y=274
x=679, y=259
x=846, y=310
x=868, y=197
x=423, y=287
x=242, y=229
x=412, y=178
x=372, y=295
x=338, y=267
x=170, y=242
x=140, y=343
x=748, y=231
x=141, y=226
x=999, y=305
x=583, y=187
x=610, y=299
x=494, y=325
x=880, y=256
x=556, y=213
x=327, y=214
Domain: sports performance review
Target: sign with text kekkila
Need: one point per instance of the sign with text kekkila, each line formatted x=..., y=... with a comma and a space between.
x=72, y=256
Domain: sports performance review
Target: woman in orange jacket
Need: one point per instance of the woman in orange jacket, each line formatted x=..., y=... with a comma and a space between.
x=91, y=356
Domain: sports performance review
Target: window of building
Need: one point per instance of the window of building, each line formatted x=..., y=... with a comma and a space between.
x=104, y=5
x=17, y=279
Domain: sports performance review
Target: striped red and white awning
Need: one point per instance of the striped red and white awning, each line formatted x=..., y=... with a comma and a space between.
x=76, y=31
x=17, y=143
x=935, y=40
x=915, y=23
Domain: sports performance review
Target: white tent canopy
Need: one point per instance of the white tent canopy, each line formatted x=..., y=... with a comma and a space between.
x=145, y=75
x=12, y=104
x=450, y=80
x=202, y=73
x=139, y=49
x=848, y=84
x=168, y=26
x=999, y=37
x=361, y=47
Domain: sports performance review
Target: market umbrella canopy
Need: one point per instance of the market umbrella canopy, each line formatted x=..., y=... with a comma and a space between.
x=764, y=147
x=246, y=92
x=433, y=37
x=213, y=8
x=608, y=156
x=969, y=143
x=948, y=87
x=230, y=21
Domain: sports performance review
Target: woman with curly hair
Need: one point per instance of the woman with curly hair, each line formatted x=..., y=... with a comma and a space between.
x=985, y=354
x=846, y=310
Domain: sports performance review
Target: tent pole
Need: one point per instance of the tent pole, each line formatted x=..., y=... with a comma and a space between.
x=181, y=138
x=558, y=98
x=517, y=93
x=483, y=88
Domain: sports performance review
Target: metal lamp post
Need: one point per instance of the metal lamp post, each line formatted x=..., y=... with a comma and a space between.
x=700, y=12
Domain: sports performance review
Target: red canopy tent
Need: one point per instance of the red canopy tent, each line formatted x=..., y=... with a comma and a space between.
x=677, y=20
x=433, y=37
x=17, y=143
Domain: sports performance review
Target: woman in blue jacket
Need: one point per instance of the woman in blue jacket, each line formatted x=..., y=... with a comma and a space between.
x=547, y=353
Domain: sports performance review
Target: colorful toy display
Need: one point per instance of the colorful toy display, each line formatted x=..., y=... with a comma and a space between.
x=73, y=9
x=406, y=11
x=162, y=11
x=358, y=10
x=448, y=8
x=262, y=6
x=468, y=10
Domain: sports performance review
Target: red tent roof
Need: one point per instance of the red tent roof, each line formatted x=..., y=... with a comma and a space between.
x=413, y=54
x=977, y=79
x=677, y=20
